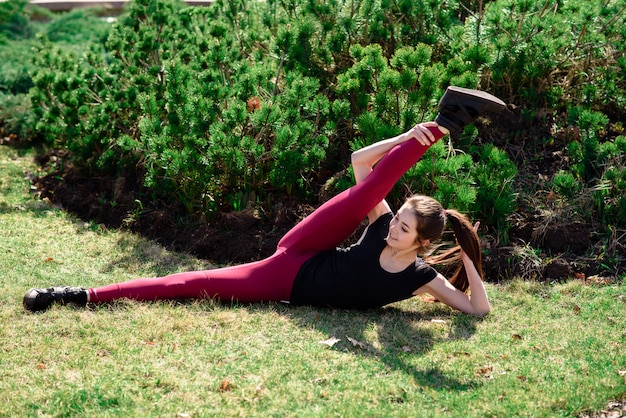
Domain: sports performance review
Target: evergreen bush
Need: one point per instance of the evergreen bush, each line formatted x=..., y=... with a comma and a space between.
x=445, y=175
x=545, y=53
x=565, y=184
x=496, y=199
x=14, y=20
x=16, y=45
x=245, y=103
x=610, y=192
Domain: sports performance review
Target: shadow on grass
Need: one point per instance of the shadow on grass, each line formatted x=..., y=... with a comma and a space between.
x=401, y=336
x=153, y=257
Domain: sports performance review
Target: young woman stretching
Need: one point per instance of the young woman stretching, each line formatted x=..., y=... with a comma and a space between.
x=308, y=268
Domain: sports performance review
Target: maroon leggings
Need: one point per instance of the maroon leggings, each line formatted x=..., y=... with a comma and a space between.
x=271, y=279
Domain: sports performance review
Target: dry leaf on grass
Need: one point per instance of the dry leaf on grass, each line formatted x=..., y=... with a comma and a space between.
x=485, y=372
x=225, y=386
x=356, y=343
x=330, y=342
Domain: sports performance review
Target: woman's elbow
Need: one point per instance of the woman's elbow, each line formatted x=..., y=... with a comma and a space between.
x=482, y=311
x=354, y=157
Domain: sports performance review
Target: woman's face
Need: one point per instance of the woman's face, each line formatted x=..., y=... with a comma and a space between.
x=403, y=230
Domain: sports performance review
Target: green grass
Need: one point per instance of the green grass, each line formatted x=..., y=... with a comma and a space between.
x=545, y=350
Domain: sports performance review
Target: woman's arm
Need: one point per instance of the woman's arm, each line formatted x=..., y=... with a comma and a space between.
x=364, y=159
x=477, y=303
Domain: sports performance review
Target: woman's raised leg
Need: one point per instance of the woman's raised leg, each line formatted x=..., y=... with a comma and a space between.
x=334, y=221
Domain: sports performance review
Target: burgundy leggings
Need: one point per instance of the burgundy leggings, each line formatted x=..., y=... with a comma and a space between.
x=271, y=279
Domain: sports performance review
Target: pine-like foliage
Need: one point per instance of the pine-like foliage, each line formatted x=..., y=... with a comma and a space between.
x=248, y=103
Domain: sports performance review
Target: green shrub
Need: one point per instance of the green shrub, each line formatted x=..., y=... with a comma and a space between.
x=585, y=153
x=77, y=28
x=15, y=50
x=495, y=200
x=204, y=132
x=548, y=52
x=445, y=176
x=15, y=116
x=14, y=20
x=565, y=184
x=598, y=165
x=20, y=59
x=395, y=94
x=16, y=66
x=245, y=102
x=610, y=191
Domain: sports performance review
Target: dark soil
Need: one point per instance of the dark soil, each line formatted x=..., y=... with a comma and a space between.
x=244, y=236
x=234, y=237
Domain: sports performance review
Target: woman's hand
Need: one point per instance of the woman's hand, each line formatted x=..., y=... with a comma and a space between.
x=365, y=158
x=422, y=134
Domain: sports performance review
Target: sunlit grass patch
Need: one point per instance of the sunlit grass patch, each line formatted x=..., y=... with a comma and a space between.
x=545, y=350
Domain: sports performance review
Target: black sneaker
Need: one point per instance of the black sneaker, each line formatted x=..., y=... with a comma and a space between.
x=459, y=107
x=41, y=299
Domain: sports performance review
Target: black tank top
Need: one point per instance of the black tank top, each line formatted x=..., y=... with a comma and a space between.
x=353, y=278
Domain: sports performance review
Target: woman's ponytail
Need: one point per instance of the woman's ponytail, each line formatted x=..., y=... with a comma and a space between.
x=467, y=239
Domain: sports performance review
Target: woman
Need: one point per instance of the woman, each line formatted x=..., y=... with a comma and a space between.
x=308, y=269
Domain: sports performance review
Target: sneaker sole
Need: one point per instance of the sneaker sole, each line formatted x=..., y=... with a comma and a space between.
x=492, y=103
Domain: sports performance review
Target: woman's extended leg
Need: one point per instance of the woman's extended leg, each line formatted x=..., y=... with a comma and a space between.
x=266, y=280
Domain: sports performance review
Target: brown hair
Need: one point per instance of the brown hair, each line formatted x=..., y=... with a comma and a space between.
x=431, y=220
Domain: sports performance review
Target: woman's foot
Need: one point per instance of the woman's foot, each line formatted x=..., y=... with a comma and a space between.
x=36, y=300
x=460, y=106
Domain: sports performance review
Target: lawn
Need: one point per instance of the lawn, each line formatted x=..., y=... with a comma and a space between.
x=545, y=350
